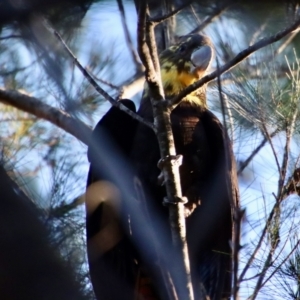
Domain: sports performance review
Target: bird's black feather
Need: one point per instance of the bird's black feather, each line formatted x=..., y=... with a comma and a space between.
x=111, y=260
x=208, y=180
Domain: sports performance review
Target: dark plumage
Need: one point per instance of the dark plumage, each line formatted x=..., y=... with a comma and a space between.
x=110, y=253
x=208, y=175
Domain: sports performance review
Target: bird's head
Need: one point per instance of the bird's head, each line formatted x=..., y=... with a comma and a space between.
x=185, y=63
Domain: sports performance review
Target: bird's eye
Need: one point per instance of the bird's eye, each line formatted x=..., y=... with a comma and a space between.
x=182, y=48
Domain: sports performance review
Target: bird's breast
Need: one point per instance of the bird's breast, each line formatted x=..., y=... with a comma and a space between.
x=191, y=141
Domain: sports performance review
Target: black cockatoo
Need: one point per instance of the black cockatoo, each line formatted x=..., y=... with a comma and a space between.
x=208, y=178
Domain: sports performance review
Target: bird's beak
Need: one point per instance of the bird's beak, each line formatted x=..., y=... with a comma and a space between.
x=201, y=59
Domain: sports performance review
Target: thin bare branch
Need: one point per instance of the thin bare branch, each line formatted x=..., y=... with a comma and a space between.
x=159, y=19
x=129, y=42
x=209, y=19
x=236, y=60
x=12, y=36
x=285, y=43
x=44, y=111
x=261, y=276
x=260, y=283
x=259, y=243
x=246, y=162
x=259, y=30
x=132, y=88
x=111, y=85
x=265, y=132
x=289, y=132
x=196, y=17
x=96, y=86
x=278, y=267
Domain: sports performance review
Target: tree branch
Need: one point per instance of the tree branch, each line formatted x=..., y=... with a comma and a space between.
x=246, y=162
x=132, y=87
x=235, y=61
x=159, y=19
x=209, y=19
x=259, y=243
x=169, y=161
x=284, y=261
x=274, y=230
x=265, y=132
x=95, y=85
x=44, y=111
x=133, y=53
x=12, y=36
x=289, y=133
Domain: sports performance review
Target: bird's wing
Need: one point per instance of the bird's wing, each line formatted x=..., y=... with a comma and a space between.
x=210, y=227
x=110, y=254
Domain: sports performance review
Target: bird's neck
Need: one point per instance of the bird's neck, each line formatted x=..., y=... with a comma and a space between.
x=196, y=98
x=175, y=82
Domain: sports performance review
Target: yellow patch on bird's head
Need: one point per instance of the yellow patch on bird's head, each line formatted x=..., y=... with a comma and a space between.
x=185, y=63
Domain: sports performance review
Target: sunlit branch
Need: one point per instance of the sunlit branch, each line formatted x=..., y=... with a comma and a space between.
x=259, y=30
x=131, y=88
x=44, y=111
x=275, y=238
x=265, y=132
x=274, y=242
x=286, y=43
